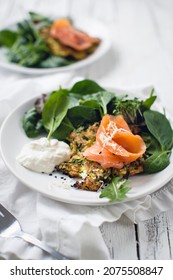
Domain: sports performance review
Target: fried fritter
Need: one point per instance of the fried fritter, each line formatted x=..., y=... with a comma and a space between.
x=92, y=176
x=61, y=50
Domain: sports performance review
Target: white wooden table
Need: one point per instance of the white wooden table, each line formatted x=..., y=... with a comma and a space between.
x=141, y=54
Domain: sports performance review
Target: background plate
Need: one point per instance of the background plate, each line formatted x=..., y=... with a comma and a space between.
x=92, y=27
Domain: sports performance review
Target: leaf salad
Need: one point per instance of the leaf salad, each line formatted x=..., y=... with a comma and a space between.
x=41, y=42
x=75, y=115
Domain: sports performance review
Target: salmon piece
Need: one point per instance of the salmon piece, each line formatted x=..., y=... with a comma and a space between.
x=99, y=154
x=67, y=34
x=117, y=143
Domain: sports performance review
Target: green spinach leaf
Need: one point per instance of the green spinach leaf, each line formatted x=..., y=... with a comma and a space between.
x=54, y=111
x=151, y=143
x=84, y=87
x=160, y=128
x=91, y=104
x=32, y=123
x=7, y=38
x=73, y=102
x=156, y=162
x=64, y=130
x=149, y=101
x=39, y=20
x=82, y=115
x=28, y=54
x=53, y=61
x=98, y=100
x=116, y=190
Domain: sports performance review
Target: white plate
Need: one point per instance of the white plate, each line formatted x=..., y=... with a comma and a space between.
x=12, y=138
x=92, y=27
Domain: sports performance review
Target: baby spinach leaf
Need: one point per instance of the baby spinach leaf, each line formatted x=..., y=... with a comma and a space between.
x=63, y=131
x=151, y=143
x=32, y=123
x=38, y=18
x=82, y=115
x=91, y=104
x=26, y=29
x=53, y=61
x=85, y=87
x=100, y=99
x=116, y=190
x=73, y=102
x=160, y=128
x=7, y=38
x=146, y=104
x=28, y=54
x=156, y=162
x=54, y=111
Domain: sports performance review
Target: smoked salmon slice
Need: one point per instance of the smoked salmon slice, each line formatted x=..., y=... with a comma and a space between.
x=101, y=155
x=67, y=34
x=115, y=144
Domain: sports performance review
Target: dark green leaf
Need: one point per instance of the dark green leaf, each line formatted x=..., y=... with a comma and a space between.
x=73, y=102
x=26, y=29
x=38, y=18
x=116, y=190
x=81, y=116
x=63, y=131
x=55, y=110
x=151, y=143
x=90, y=103
x=157, y=162
x=160, y=128
x=53, y=61
x=28, y=54
x=7, y=38
x=149, y=101
x=98, y=100
x=85, y=87
x=32, y=123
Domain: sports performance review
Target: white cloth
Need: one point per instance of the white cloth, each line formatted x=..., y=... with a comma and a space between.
x=71, y=229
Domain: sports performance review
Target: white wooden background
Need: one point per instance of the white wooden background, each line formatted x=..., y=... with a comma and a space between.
x=141, y=54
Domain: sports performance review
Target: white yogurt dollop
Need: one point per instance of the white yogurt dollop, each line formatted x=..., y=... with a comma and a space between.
x=43, y=155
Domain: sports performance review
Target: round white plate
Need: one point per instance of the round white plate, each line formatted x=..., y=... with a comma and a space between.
x=57, y=186
x=93, y=27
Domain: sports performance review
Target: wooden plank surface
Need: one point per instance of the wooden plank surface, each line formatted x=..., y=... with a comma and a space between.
x=156, y=237
x=149, y=240
x=121, y=239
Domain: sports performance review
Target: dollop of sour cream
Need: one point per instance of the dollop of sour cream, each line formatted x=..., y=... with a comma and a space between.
x=42, y=155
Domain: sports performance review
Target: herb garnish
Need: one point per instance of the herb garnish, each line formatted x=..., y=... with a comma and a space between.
x=116, y=190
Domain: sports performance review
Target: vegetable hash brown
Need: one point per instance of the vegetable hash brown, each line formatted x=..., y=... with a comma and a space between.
x=92, y=176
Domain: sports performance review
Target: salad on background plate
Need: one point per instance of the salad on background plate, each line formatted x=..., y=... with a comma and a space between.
x=111, y=146
x=40, y=43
